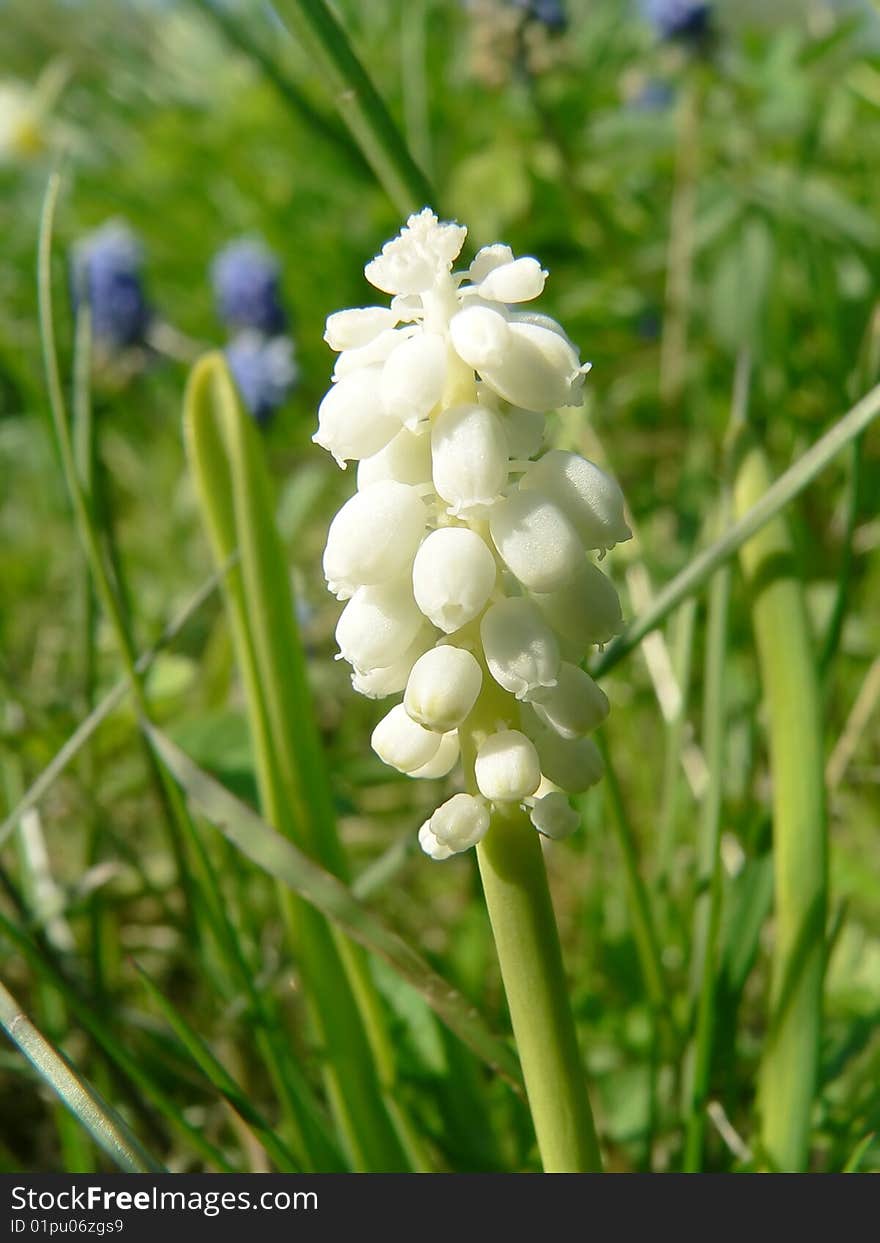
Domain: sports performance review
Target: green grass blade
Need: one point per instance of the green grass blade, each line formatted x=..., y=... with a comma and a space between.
x=750, y=521
x=281, y=858
x=96, y=1117
x=219, y=1077
x=359, y=103
x=790, y=1060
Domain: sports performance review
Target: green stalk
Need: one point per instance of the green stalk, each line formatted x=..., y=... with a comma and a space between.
x=530, y=957
x=359, y=103
x=789, y=1066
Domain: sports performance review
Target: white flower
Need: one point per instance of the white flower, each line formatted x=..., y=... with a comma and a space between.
x=402, y=743
x=585, y=611
x=590, y=499
x=507, y=767
x=553, y=815
x=521, y=650
x=574, y=706
x=405, y=459
x=443, y=687
x=442, y=399
x=536, y=540
x=352, y=422
x=469, y=452
x=453, y=575
x=377, y=624
x=373, y=538
x=456, y=825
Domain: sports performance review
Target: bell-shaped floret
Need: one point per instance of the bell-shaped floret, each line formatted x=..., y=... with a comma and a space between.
x=487, y=259
x=412, y=261
x=590, y=499
x=525, y=363
x=402, y=743
x=584, y=611
x=453, y=576
x=405, y=459
x=574, y=706
x=377, y=624
x=413, y=378
x=352, y=329
x=469, y=452
x=518, y=280
x=507, y=767
x=373, y=537
x=443, y=687
x=459, y=823
x=573, y=764
x=553, y=815
x=373, y=354
x=388, y=681
x=521, y=650
x=524, y=430
x=444, y=761
x=536, y=540
x=352, y=422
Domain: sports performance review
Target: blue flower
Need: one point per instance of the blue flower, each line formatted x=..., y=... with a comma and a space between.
x=678, y=19
x=264, y=370
x=107, y=277
x=550, y=13
x=245, y=276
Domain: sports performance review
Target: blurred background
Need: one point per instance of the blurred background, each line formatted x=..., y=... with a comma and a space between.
x=701, y=183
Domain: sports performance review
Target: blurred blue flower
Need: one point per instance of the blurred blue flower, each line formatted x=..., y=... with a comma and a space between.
x=107, y=277
x=550, y=13
x=678, y=19
x=264, y=370
x=246, y=275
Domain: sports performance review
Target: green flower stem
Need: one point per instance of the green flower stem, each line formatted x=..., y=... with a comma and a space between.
x=527, y=940
x=789, y=1066
x=524, y=926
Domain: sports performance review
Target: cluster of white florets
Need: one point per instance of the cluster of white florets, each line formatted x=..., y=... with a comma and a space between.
x=462, y=554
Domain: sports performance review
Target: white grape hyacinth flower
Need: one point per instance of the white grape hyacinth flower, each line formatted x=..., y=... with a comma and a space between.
x=463, y=555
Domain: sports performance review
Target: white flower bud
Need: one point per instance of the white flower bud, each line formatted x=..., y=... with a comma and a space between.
x=373, y=354
x=460, y=822
x=574, y=706
x=525, y=363
x=443, y=687
x=507, y=767
x=487, y=260
x=434, y=849
x=409, y=263
x=402, y=743
x=521, y=650
x=377, y=624
x=536, y=540
x=524, y=430
x=573, y=764
x=413, y=378
x=444, y=761
x=351, y=420
x=453, y=576
x=590, y=499
x=349, y=330
x=518, y=280
x=469, y=451
x=388, y=681
x=405, y=459
x=584, y=611
x=553, y=816
x=373, y=538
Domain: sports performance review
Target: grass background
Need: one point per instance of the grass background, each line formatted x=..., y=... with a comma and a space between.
x=740, y=214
